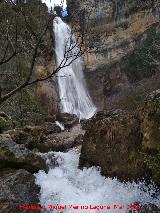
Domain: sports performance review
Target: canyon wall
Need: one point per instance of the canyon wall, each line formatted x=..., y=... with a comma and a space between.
x=120, y=45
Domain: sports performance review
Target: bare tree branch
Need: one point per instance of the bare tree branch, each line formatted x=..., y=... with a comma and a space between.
x=73, y=50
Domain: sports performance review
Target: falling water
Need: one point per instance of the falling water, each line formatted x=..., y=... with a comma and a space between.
x=73, y=93
x=120, y=11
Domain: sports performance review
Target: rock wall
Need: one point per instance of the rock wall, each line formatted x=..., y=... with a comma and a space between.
x=116, y=31
x=125, y=145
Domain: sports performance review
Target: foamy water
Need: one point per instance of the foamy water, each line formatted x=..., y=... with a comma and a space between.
x=66, y=185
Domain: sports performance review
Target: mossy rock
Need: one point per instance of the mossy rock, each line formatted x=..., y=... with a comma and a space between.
x=125, y=144
x=153, y=164
x=16, y=156
x=5, y=124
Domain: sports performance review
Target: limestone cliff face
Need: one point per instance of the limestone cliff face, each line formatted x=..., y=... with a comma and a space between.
x=119, y=29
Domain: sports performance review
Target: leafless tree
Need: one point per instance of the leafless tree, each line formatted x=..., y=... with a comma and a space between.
x=11, y=49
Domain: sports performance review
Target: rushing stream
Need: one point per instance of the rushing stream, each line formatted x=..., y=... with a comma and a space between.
x=65, y=184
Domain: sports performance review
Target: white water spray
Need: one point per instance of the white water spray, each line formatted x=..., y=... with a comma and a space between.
x=65, y=184
x=74, y=96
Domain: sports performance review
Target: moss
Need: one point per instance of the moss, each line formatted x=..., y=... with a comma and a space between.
x=21, y=104
x=5, y=124
x=139, y=64
x=15, y=72
x=2, y=153
x=6, y=154
x=153, y=163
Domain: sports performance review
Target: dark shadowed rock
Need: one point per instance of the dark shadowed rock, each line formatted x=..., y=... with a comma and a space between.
x=39, y=119
x=5, y=122
x=126, y=145
x=67, y=119
x=45, y=129
x=16, y=156
x=47, y=137
x=30, y=136
x=17, y=187
x=51, y=128
x=62, y=141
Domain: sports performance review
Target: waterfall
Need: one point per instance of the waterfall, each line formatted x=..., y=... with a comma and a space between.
x=120, y=11
x=73, y=93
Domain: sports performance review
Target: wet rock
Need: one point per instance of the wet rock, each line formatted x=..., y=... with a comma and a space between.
x=47, y=137
x=50, y=118
x=14, y=155
x=17, y=187
x=124, y=144
x=46, y=129
x=51, y=128
x=62, y=141
x=67, y=120
x=20, y=136
x=30, y=136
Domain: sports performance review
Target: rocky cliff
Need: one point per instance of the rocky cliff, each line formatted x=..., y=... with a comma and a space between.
x=120, y=40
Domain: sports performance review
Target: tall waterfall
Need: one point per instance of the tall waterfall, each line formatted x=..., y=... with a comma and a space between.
x=73, y=93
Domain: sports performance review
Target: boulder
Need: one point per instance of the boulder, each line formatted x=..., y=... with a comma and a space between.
x=62, y=141
x=30, y=136
x=47, y=137
x=68, y=120
x=46, y=129
x=17, y=187
x=125, y=145
x=16, y=156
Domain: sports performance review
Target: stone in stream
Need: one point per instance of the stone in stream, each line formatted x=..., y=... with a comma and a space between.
x=17, y=187
x=67, y=120
x=62, y=141
x=16, y=156
x=125, y=145
x=49, y=137
x=31, y=136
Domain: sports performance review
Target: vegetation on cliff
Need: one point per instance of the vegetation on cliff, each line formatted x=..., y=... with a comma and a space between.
x=123, y=144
